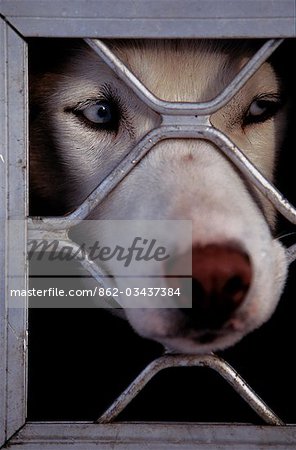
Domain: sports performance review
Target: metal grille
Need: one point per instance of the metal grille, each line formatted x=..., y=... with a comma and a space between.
x=22, y=19
x=179, y=120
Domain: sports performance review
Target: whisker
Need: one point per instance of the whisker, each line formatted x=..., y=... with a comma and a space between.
x=293, y=233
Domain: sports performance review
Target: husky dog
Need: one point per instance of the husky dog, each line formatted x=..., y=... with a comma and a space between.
x=84, y=119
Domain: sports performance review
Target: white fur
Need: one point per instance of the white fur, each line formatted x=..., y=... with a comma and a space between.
x=178, y=179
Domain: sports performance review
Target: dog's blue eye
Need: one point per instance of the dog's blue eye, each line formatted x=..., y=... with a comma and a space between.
x=98, y=115
x=262, y=109
x=258, y=108
x=100, y=112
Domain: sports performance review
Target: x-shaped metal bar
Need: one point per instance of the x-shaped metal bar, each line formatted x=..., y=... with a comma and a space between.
x=179, y=120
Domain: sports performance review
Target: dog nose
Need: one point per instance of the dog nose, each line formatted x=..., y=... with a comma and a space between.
x=221, y=277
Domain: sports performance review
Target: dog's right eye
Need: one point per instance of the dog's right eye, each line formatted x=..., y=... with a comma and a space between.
x=100, y=115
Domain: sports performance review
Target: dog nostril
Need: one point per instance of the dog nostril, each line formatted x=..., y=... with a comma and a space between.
x=236, y=289
x=221, y=277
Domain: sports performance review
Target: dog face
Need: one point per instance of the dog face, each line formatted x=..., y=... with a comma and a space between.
x=85, y=120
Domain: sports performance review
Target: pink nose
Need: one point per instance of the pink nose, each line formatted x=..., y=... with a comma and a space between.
x=221, y=277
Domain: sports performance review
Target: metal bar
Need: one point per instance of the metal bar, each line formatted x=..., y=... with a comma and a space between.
x=98, y=273
x=13, y=205
x=252, y=173
x=187, y=123
x=183, y=108
x=193, y=28
x=140, y=150
x=126, y=165
x=151, y=18
x=210, y=361
x=291, y=254
x=3, y=222
x=152, y=436
x=110, y=182
x=149, y=9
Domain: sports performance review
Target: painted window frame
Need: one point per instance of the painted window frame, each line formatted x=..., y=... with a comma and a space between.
x=20, y=19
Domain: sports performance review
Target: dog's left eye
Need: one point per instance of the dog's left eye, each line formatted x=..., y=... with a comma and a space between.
x=262, y=109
